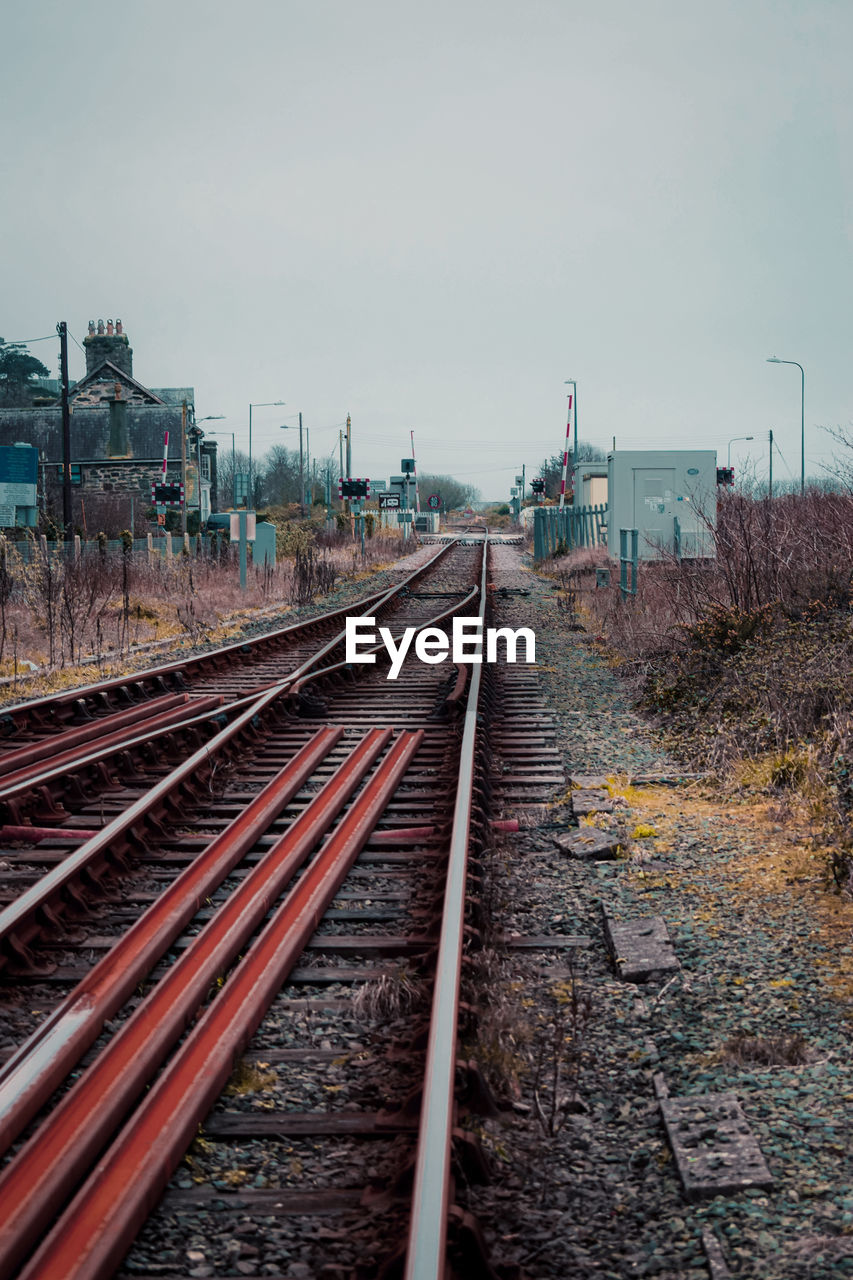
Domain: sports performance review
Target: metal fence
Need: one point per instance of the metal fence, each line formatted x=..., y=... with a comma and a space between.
x=556, y=532
x=151, y=548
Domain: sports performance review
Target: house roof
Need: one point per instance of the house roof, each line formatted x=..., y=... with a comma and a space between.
x=108, y=372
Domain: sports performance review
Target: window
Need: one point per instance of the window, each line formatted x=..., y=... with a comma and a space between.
x=76, y=473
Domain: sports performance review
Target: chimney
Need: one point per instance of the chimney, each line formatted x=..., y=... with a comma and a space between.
x=109, y=342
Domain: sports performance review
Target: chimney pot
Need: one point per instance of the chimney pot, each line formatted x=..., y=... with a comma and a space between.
x=118, y=327
x=91, y=326
x=110, y=327
x=100, y=326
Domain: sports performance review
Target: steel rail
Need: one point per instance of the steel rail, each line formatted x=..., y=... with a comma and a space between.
x=381, y=648
x=18, y=921
x=29, y=1077
x=64, y=762
x=427, y=1241
x=91, y=1237
x=50, y=702
x=48, y=1170
x=17, y=757
x=9, y=792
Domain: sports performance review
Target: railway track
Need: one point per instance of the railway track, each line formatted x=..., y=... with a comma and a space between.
x=263, y=861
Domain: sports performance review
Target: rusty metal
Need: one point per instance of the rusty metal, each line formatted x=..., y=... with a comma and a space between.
x=63, y=762
x=29, y=1077
x=19, y=921
x=90, y=1238
x=35, y=835
x=50, y=1167
x=67, y=739
x=412, y=700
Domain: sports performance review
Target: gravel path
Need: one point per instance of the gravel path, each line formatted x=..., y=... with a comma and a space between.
x=760, y=1007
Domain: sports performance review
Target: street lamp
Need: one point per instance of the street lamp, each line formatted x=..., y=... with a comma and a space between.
x=286, y=426
x=233, y=464
x=776, y=360
x=258, y=404
x=731, y=442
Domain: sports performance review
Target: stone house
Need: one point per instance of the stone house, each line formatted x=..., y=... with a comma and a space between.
x=118, y=431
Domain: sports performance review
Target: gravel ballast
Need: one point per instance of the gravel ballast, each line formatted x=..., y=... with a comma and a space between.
x=759, y=1007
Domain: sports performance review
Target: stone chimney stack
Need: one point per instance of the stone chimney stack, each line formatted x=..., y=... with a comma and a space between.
x=108, y=343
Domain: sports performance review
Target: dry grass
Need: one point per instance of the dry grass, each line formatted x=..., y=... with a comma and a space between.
x=250, y=1077
x=63, y=621
x=391, y=996
x=781, y=858
x=742, y=1050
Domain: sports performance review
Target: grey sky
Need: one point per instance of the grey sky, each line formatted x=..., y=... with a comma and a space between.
x=432, y=214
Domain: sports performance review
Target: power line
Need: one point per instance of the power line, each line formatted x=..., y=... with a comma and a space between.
x=25, y=342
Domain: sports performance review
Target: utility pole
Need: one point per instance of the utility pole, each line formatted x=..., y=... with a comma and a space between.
x=414, y=459
x=308, y=468
x=349, y=456
x=771, y=462
x=62, y=330
x=184, y=466
x=301, y=470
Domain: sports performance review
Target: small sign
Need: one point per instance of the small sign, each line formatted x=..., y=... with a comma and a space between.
x=693, y=471
x=389, y=502
x=167, y=495
x=354, y=487
x=404, y=517
x=235, y=526
x=434, y=502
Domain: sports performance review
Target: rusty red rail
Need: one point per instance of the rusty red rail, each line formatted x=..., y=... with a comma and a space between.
x=33, y=1072
x=18, y=780
x=67, y=739
x=19, y=922
x=90, y=1238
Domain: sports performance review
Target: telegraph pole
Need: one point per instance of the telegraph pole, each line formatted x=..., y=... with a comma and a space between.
x=349, y=445
x=184, y=466
x=771, y=462
x=301, y=470
x=62, y=330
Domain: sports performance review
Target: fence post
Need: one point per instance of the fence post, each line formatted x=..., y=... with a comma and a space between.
x=537, y=534
x=186, y=547
x=167, y=540
x=77, y=548
x=626, y=559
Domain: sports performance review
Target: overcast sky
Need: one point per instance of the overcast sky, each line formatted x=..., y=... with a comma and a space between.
x=430, y=215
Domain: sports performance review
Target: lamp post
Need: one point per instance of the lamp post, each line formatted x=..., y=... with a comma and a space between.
x=286, y=426
x=731, y=442
x=233, y=464
x=776, y=360
x=258, y=404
